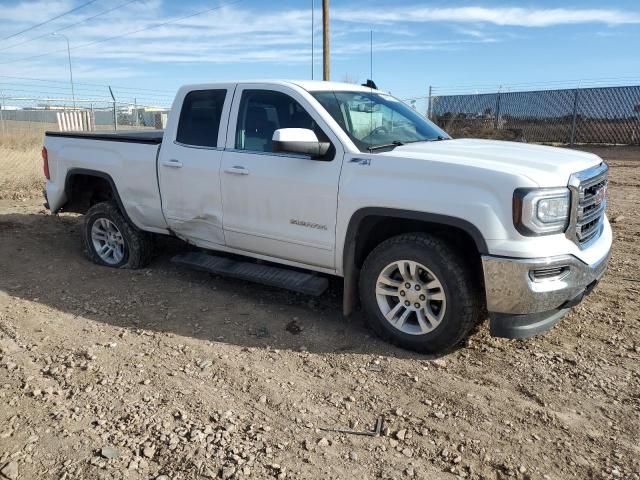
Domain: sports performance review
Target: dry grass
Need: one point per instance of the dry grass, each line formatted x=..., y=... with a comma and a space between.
x=20, y=173
x=15, y=137
x=20, y=159
x=21, y=164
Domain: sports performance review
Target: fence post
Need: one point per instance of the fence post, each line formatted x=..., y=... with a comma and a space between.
x=429, y=104
x=497, y=118
x=574, y=117
x=135, y=111
x=115, y=114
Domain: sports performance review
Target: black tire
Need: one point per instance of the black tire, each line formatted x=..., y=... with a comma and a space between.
x=461, y=292
x=138, y=245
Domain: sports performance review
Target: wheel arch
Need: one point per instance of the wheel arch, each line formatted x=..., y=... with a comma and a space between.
x=370, y=226
x=75, y=203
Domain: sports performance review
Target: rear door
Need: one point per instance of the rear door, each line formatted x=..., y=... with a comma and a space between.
x=279, y=204
x=189, y=166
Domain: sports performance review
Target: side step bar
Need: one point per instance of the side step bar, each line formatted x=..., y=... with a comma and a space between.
x=301, y=282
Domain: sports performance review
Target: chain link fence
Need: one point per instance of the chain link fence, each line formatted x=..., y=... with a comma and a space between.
x=24, y=120
x=603, y=115
x=34, y=116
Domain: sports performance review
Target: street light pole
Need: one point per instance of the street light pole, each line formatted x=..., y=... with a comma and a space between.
x=73, y=95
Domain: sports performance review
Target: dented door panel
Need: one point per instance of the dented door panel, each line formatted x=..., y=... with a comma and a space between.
x=189, y=165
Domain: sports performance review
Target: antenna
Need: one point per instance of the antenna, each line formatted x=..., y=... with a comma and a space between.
x=371, y=55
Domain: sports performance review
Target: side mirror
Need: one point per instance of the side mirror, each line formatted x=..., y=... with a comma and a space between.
x=299, y=140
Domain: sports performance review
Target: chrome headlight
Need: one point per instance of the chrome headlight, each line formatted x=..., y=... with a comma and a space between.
x=541, y=211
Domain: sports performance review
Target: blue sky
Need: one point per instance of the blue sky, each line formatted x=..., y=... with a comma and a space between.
x=416, y=43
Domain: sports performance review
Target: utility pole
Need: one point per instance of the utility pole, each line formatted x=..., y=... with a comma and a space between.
x=325, y=40
x=73, y=95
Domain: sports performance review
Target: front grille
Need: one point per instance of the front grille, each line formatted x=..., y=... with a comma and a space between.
x=589, y=191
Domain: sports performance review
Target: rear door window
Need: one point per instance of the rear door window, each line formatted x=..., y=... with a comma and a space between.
x=200, y=118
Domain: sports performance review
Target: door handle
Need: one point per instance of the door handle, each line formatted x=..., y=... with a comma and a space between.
x=173, y=163
x=237, y=170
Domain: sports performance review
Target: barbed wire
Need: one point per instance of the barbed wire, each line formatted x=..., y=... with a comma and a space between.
x=84, y=91
x=30, y=102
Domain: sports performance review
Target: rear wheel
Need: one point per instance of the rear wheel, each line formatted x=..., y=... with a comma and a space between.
x=111, y=241
x=418, y=293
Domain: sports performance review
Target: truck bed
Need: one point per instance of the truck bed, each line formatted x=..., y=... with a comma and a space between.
x=127, y=159
x=153, y=137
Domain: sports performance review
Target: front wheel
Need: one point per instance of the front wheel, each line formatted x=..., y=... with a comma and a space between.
x=418, y=293
x=111, y=241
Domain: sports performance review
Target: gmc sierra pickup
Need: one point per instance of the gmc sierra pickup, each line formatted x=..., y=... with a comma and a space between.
x=429, y=233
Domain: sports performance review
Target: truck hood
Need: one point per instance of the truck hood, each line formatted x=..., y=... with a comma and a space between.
x=545, y=166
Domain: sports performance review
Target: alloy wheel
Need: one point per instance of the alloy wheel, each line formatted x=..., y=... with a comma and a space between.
x=107, y=241
x=411, y=297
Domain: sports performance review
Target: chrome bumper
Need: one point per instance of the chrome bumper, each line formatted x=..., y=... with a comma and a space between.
x=511, y=285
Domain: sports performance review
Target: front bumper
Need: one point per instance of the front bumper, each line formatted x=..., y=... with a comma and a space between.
x=528, y=296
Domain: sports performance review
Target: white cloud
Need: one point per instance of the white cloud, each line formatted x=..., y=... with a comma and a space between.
x=517, y=17
x=234, y=34
x=31, y=12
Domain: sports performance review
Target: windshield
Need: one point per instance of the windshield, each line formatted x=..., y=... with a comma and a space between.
x=374, y=120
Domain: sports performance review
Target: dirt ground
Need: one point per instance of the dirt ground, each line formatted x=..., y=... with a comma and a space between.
x=166, y=373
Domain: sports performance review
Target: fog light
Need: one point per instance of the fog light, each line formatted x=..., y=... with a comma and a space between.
x=549, y=273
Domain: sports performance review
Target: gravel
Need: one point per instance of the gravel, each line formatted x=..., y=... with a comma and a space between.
x=165, y=373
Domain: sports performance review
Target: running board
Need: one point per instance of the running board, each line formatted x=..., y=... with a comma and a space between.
x=307, y=283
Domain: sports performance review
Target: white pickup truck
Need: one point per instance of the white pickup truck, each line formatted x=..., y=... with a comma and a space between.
x=429, y=233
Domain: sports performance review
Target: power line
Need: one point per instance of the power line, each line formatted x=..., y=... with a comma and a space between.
x=48, y=21
x=132, y=32
x=104, y=12
x=135, y=89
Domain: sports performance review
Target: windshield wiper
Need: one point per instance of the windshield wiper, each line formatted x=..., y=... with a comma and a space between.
x=395, y=143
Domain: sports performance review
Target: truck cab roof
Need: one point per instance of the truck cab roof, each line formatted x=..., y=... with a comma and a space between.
x=309, y=85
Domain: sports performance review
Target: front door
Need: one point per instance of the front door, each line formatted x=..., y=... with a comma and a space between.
x=189, y=168
x=278, y=204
